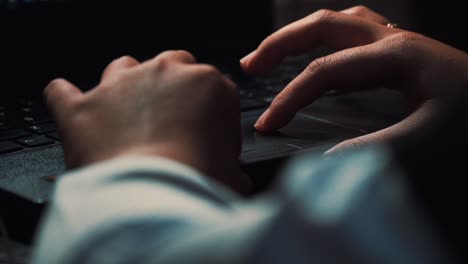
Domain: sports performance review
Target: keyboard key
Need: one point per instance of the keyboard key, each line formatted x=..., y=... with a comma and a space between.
x=275, y=88
x=13, y=133
x=8, y=147
x=3, y=126
x=268, y=99
x=42, y=129
x=37, y=120
x=248, y=104
x=27, y=110
x=35, y=141
x=54, y=136
x=26, y=102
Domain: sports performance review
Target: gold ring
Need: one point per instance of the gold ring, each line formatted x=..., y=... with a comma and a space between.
x=392, y=25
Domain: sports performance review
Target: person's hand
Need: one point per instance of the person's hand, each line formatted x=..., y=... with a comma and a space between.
x=369, y=53
x=169, y=106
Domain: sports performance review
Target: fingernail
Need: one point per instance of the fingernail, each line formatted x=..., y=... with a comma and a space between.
x=262, y=118
x=248, y=57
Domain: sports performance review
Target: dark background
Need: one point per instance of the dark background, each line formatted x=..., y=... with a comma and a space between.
x=77, y=39
x=35, y=48
x=44, y=40
x=443, y=20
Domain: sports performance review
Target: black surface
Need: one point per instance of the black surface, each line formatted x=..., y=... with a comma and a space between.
x=13, y=133
x=442, y=20
x=7, y=147
x=42, y=40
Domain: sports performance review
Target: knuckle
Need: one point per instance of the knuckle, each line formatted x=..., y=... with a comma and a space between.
x=109, y=84
x=317, y=65
x=209, y=71
x=404, y=41
x=166, y=55
x=321, y=16
x=162, y=61
x=211, y=75
x=359, y=9
x=126, y=59
x=279, y=99
x=269, y=39
x=78, y=105
x=166, y=58
x=55, y=83
x=185, y=53
x=50, y=89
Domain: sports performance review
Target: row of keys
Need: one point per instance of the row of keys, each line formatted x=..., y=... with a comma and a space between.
x=6, y=134
x=28, y=142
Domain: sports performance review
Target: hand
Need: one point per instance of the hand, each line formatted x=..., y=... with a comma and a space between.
x=169, y=106
x=368, y=54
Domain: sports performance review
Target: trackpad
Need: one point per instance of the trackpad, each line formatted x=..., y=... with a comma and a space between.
x=303, y=133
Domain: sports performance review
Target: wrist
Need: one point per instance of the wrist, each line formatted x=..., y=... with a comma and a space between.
x=222, y=168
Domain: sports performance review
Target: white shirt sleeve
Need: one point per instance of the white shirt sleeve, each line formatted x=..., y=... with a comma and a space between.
x=354, y=208
x=102, y=197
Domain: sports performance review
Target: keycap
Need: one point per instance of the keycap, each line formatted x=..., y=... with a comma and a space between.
x=8, y=147
x=37, y=120
x=3, y=126
x=54, y=136
x=248, y=104
x=13, y=133
x=42, y=128
x=35, y=141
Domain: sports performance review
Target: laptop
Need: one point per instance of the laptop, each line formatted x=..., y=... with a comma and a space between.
x=42, y=40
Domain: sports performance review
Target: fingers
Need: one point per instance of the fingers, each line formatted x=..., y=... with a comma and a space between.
x=59, y=95
x=118, y=65
x=361, y=66
x=333, y=29
x=180, y=56
x=410, y=127
x=127, y=62
x=366, y=13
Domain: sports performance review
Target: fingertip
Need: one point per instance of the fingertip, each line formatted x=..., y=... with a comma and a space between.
x=260, y=124
x=124, y=62
x=245, y=61
x=271, y=120
x=59, y=92
x=53, y=87
x=258, y=63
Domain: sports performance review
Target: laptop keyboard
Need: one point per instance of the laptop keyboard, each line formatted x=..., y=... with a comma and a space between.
x=259, y=92
x=26, y=124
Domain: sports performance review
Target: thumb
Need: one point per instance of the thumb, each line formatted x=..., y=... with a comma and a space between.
x=59, y=96
x=407, y=129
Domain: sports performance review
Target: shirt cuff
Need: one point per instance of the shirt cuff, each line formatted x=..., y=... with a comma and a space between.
x=110, y=193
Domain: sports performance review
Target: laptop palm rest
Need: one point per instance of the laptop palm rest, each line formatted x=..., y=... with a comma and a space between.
x=304, y=132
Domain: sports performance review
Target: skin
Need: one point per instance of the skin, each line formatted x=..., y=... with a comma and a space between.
x=368, y=53
x=169, y=106
x=172, y=107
